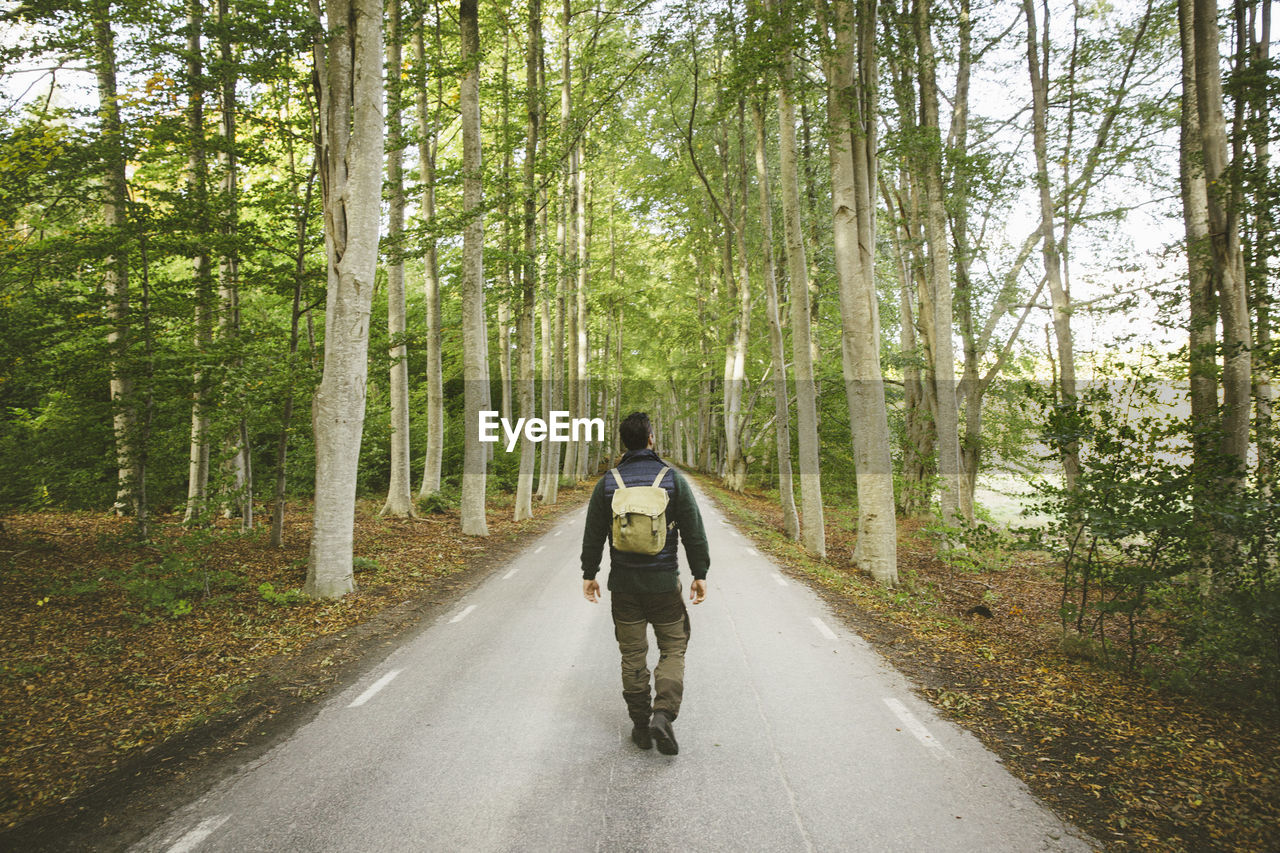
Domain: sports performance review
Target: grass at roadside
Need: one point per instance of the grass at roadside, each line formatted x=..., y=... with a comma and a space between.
x=1138, y=768
x=109, y=649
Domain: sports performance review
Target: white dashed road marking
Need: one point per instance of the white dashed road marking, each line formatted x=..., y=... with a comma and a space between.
x=374, y=688
x=753, y=552
x=822, y=628
x=463, y=615
x=912, y=724
x=777, y=578
x=538, y=550
x=203, y=830
x=557, y=533
x=510, y=573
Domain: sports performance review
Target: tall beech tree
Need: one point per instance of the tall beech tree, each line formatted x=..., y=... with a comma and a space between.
x=198, y=199
x=348, y=58
x=130, y=472
x=475, y=355
x=528, y=259
x=852, y=104
x=813, y=529
x=428, y=143
x=777, y=351
x=399, y=503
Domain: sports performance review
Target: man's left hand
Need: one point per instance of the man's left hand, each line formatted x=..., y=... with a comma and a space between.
x=697, y=591
x=591, y=590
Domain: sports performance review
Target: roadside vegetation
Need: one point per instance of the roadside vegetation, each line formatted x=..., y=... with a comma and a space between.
x=111, y=648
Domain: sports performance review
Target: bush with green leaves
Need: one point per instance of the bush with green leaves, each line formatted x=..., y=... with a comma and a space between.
x=281, y=598
x=1170, y=566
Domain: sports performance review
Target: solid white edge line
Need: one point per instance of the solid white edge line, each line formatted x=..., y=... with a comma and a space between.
x=509, y=574
x=779, y=579
x=374, y=688
x=463, y=615
x=822, y=628
x=912, y=724
x=203, y=830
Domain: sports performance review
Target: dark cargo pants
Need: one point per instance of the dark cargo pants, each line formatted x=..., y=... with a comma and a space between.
x=632, y=615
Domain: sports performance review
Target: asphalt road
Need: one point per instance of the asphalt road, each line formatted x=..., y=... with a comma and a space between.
x=502, y=727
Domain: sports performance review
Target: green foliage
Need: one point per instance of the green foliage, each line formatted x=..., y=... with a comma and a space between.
x=978, y=547
x=1154, y=551
x=172, y=586
x=284, y=598
x=437, y=502
x=365, y=564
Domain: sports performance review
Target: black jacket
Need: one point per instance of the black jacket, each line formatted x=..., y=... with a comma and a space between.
x=642, y=572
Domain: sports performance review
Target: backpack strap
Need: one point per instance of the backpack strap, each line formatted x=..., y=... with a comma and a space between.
x=658, y=480
x=618, y=477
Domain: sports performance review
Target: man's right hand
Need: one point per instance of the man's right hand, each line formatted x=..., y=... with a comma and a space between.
x=591, y=590
x=697, y=591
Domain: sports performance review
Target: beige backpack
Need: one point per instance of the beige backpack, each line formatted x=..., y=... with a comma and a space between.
x=640, y=516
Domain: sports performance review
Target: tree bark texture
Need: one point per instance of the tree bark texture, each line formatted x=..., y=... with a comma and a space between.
x=777, y=350
x=929, y=166
x=399, y=503
x=475, y=362
x=129, y=472
x=813, y=529
x=198, y=198
x=349, y=71
x=1226, y=260
x=528, y=259
x=1037, y=65
x=427, y=142
x=852, y=104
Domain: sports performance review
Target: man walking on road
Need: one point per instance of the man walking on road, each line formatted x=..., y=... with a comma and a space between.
x=645, y=588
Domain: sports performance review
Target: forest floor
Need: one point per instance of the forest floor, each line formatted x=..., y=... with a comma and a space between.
x=1138, y=768
x=119, y=661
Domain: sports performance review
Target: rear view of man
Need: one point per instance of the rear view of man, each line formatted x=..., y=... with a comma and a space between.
x=645, y=587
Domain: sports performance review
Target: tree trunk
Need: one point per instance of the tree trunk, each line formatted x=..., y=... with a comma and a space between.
x=1226, y=261
x=958, y=181
x=475, y=362
x=1203, y=320
x=295, y=314
x=129, y=473
x=580, y=314
x=528, y=261
x=813, y=530
x=569, y=243
x=1262, y=126
x=777, y=352
x=929, y=166
x=399, y=502
x=852, y=103
x=918, y=435
x=1061, y=300
x=545, y=347
x=427, y=142
x=238, y=468
x=349, y=72
x=197, y=190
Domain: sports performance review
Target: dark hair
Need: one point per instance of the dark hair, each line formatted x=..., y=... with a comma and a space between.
x=635, y=431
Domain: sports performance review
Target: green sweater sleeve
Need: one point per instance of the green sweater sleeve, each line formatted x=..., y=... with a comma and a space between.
x=595, y=532
x=689, y=522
